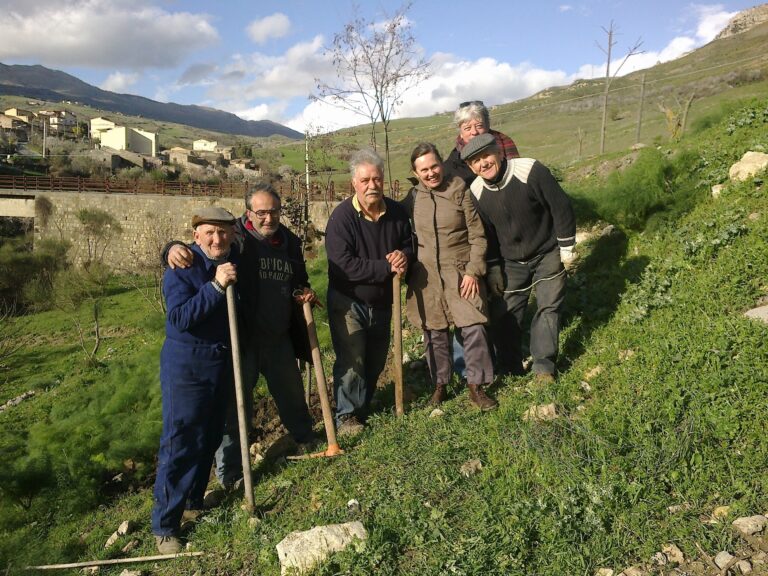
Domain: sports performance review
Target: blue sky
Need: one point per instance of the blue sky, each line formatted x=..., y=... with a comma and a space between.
x=259, y=59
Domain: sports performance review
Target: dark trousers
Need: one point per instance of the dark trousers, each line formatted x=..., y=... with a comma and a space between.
x=477, y=355
x=194, y=383
x=508, y=312
x=274, y=358
x=360, y=336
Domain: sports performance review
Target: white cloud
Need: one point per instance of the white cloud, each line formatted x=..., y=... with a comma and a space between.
x=322, y=117
x=565, y=8
x=712, y=19
x=275, y=26
x=129, y=34
x=260, y=112
x=291, y=75
x=119, y=82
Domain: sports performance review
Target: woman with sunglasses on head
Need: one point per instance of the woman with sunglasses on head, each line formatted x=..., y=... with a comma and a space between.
x=445, y=284
x=472, y=119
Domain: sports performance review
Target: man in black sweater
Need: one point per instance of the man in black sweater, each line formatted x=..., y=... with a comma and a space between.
x=367, y=240
x=271, y=271
x=531, y=233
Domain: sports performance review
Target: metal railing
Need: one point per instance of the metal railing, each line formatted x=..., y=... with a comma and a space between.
x=110, y=186
x=328, y=192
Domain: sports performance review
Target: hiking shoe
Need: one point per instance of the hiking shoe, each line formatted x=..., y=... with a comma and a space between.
x=479, y=398
x=349, y=426
x=438, y=396
x=168, y=544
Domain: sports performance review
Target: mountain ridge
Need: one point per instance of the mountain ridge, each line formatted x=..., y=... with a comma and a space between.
x=39, y=82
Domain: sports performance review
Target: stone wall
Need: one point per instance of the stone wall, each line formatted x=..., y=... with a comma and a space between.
x=147, y=223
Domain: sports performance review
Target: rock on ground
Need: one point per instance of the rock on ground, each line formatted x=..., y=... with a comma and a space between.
x=471, y=467
x=749, y=165
x=541, y=413
x=760, y=313
x=673, y=554
x=302, y=550
x=749, y=525
x=722, y=559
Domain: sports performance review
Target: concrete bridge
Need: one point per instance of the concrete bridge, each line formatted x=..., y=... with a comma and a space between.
x=146, y=214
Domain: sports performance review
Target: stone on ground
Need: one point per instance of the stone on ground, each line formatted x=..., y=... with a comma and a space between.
x=750, y=525
x=749, y=165
x=759, y=313
x=541, y=413
x=301, y=550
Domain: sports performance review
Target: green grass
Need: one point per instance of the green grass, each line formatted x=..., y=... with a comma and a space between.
x=673, y=415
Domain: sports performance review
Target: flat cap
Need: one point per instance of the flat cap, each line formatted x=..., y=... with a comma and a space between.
x=477, y=144
x=211, y=215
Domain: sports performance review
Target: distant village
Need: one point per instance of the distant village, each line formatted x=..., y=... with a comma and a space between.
x=123, y=145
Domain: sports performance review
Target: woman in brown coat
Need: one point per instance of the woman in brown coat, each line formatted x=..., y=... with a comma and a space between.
x=445, y=284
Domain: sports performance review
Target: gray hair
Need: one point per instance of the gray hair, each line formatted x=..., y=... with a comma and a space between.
x=473, y=111
x=260, y=187
x=365, y=156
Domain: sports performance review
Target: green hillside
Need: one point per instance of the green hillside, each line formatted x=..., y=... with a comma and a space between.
x=661, y=401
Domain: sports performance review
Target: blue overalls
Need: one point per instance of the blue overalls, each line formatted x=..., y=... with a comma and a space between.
x=195, y=377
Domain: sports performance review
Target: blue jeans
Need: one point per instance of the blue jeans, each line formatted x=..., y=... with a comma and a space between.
x=194, y=383
x=360, y=336
x=508, y=312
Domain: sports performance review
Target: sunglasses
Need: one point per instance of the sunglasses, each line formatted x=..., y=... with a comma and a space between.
x=472, y=103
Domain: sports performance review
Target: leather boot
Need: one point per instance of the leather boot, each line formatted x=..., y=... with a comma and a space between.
x=438, y=396
x=479, y=398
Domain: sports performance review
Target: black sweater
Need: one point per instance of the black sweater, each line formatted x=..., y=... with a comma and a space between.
x=526, y=213
x=357, y=247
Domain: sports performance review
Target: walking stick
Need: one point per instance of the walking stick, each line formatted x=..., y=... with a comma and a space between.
x=240, y=396
x=322, y=391
x=398, y=352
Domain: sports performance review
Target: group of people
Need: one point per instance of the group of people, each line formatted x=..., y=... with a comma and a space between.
x=473, y=238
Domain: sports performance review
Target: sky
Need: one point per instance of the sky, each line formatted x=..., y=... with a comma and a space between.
x=261, y=59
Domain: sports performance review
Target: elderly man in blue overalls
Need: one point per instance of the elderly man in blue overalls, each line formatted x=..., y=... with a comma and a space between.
x=195, y=373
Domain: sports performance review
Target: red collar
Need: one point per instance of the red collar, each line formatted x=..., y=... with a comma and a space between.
x=275, y=240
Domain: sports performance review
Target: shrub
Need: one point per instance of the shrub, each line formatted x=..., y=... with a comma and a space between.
x=26, y=277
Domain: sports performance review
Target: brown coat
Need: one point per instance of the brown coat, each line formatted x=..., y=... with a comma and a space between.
x=451, y=243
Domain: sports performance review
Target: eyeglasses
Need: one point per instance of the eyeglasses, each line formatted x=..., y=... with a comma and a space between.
x=472, y=103
x=262, y=214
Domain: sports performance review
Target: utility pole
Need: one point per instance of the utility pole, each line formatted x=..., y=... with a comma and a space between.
x=640, y=111
x=607, y=86
x=45, y=134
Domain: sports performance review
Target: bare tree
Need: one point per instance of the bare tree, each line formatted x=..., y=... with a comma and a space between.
x=376, y=63
x=635, y=49
x=676, y=117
